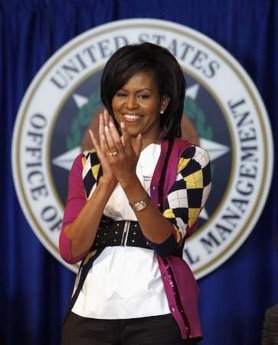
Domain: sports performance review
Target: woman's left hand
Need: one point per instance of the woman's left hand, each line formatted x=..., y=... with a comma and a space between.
x=107, y=174
x=122, y=152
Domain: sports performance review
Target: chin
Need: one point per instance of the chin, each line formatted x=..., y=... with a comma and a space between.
x=132, y=132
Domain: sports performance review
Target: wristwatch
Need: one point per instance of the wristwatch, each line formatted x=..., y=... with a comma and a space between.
x=139, y=205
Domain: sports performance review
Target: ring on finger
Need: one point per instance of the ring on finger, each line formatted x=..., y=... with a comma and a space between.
x=113, y=153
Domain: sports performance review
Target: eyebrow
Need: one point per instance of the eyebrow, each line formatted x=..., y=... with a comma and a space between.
x=140, y=90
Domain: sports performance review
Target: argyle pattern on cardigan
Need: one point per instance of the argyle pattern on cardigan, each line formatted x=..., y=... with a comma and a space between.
x=91, y=171
x=187, y=196
x=189, y=193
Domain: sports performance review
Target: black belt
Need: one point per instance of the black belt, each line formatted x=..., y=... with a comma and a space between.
x=119, y=233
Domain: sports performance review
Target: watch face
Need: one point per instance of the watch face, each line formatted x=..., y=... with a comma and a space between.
x=140, y=205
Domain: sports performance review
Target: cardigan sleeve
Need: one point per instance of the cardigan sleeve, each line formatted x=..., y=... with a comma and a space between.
x=186, y=198
x=188, y=195
x=75, y=201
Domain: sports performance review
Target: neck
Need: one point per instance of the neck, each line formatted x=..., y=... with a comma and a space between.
x=146, y=141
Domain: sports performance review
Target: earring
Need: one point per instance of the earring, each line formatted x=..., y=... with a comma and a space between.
x=161, y=112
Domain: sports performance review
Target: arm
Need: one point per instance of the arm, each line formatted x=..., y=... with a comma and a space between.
x=160, y=230
x=75, y=201
x=123, y=166
x=185, y=199
x=190, y=191
x=82, y=217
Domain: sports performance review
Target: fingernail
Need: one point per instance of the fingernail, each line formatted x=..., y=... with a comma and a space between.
x=122, y=125
x=106, y=128
x=111, y=124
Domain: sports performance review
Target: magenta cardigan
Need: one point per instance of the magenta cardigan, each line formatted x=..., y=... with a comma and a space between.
x=179, y=283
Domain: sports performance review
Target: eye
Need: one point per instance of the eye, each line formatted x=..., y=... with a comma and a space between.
x=144, y=96
x=121, y=94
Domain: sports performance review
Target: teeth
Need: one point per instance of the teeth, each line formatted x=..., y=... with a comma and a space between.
x=131, y=117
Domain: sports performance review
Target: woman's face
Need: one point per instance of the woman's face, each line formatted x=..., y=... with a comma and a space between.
x=138, y=104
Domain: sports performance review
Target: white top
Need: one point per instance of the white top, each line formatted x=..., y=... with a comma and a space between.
x=125, y=282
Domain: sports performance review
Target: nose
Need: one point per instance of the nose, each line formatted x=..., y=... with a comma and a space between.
x=131, y=102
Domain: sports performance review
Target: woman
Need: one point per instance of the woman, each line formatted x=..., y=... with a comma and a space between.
x=132, y=202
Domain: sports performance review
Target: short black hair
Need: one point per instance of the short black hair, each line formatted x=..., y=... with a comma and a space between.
x=149, y=57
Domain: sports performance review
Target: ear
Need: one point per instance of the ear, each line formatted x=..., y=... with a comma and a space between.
x=164, y=101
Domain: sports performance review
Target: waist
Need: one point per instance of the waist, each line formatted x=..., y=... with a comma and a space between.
x=119, y=233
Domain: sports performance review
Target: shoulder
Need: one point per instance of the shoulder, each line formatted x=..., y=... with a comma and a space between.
x=193, y=158
x=77, y=163
x=189, y=151
x=197, y=153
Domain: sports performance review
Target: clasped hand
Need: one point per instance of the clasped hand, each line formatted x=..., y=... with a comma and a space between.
x=118, y=154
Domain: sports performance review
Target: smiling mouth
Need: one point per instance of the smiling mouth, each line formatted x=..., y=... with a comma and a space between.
x=131, y=117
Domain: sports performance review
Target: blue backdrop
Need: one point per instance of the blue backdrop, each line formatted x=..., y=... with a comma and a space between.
x=35, y=288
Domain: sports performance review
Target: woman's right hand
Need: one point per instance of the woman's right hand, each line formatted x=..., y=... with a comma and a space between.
x=107, y=173
x=82, y=231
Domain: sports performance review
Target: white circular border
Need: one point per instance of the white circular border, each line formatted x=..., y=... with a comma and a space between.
x=154, y=26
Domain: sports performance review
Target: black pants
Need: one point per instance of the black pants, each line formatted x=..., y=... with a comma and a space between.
x=154, y=330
